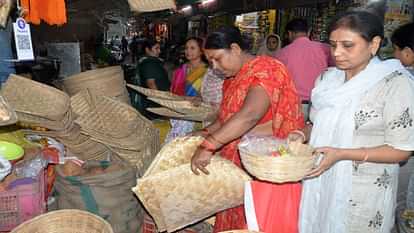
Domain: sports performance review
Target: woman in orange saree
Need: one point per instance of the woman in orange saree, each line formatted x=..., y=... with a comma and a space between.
x=258, y=97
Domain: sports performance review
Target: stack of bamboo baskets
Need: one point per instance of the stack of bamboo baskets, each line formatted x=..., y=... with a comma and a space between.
x=92, y=127
x=106, y=81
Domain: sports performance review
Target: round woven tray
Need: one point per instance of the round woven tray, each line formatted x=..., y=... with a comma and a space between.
x=34, y=98
x=184, y=106
x=65, y=221
x=156, y=93
x=280, y=169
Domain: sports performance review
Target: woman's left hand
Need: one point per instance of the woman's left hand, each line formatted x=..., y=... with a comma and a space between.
x=330, y=157
x=200, y=160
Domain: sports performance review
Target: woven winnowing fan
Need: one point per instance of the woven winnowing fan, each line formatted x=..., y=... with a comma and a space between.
x=156, y=93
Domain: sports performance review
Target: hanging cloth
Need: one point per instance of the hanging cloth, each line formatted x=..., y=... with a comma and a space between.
x=52, y=12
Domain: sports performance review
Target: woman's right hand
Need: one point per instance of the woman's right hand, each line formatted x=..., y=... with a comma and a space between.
x=200, y=160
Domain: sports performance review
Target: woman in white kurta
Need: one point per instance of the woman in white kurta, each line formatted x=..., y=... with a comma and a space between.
x=362, y=118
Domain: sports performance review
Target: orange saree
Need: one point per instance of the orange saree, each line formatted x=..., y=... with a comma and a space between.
x=285, y=114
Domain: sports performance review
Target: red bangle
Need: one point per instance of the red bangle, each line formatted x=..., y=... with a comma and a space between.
x=208, y=146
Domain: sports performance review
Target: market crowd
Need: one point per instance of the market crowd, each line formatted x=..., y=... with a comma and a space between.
x=341, y=98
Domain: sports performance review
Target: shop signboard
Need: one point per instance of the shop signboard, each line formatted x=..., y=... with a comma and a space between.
x=23, y=40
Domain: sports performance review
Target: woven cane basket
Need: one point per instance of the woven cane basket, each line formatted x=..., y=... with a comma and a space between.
x=177, y=152
x=107, y=82
x=280, y=169
x=35, y=99
x=65, y=221
x=156, y=93
x=176, y=198
x=184, y=106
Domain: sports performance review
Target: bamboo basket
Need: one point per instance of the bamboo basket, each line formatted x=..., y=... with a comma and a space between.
x=156, y=93
x=106, y=82
x=35, y=99
x=65, y=221
x=175, y=153
x=184, y=106
x=176, y=198
x=151, y=5
x=280, y=169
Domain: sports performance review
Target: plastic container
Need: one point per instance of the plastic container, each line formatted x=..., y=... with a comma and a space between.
x=23, y=202
x=11, y=151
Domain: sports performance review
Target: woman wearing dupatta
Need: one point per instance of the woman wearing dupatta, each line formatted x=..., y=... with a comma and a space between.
x=187, y=81
x=258, y=97
x=363, y=125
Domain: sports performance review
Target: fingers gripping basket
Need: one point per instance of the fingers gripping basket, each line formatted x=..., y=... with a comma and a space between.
x=65, y=221
x=278, y=169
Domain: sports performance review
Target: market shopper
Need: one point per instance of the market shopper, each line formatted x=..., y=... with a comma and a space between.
x=305, y=59
x=151, y=74
x=187, y=81
x=403, y=43
x=363, y=125
x=259, y=97
x=270, y=46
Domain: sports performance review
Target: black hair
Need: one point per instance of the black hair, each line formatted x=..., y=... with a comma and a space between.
x=297, y=25
x=366, y=24
x=404, y=36
x=224, y=37
x=149, y=43
x=272, y=36
x=196, y=39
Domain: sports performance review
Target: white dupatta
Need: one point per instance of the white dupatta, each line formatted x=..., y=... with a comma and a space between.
x=325, y=198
